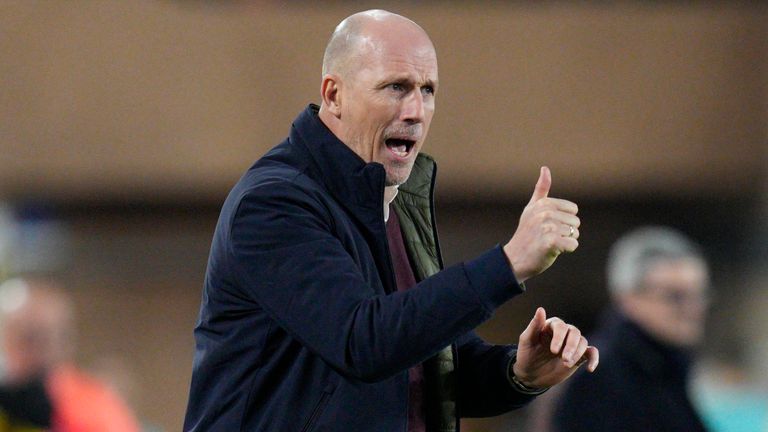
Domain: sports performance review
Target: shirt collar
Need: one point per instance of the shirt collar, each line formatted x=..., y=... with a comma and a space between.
x=390, y=192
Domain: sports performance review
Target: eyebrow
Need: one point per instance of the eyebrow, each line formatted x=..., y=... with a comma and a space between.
x=403, y=79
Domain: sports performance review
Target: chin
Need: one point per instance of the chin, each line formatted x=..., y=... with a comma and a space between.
x=398, y=176
x=396, y=180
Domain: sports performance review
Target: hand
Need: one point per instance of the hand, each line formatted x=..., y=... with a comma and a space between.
x=547, y=228
x=550, y=351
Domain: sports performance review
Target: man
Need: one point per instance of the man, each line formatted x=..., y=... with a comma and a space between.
x=41, y=389
x=325, y=307
x=659, y=286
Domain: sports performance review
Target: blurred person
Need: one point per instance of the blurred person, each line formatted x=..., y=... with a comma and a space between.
x=659, y=285
x=326, y=306
x=41, y=388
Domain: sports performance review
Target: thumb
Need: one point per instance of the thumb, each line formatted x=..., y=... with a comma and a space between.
x=542, y=185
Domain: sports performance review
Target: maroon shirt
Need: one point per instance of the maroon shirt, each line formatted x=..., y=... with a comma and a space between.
x=405, y=279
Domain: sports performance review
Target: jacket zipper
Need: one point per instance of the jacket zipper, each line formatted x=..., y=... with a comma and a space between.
x=432, y=217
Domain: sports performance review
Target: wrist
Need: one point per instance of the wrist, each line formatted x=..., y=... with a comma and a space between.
x=515, y=265
x=520, y=378
x=520, y=382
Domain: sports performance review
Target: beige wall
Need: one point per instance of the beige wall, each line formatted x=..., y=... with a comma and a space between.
x=111, y=100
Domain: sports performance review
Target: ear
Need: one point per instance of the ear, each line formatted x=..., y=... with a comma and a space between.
x=330, y=92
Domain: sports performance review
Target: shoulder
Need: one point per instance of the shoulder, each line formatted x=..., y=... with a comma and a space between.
x=274, y=183
x=282, y=171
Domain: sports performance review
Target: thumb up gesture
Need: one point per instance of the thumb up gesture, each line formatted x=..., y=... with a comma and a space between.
x=547, y=228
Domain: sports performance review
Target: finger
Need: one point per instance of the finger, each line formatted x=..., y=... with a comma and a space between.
x=593, y=354
x=563, y=205
x=537, y=323
x=565, y=231
x=566, y=244
x=559, y=333
x=578, y=357
x=542, y=185
x=559, y=225
x=557, y=217
x=565, y=218
x=572, y=341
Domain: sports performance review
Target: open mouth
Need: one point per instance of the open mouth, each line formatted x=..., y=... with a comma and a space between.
x=400, y=147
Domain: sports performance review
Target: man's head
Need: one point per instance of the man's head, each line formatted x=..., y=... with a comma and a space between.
x=660, y=281
x=378, y=89
x=36, y=327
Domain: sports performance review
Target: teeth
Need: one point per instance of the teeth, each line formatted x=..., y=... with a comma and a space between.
x=400, y=150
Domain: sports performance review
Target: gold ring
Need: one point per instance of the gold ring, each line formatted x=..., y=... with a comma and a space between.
x=572, y=231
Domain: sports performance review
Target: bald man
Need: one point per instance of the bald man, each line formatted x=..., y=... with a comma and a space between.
x=326, y=306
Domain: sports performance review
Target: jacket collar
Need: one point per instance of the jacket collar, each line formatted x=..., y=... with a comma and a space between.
x=352, y=181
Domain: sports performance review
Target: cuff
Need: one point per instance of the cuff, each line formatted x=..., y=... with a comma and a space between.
x=516, y=384
x=493, y=279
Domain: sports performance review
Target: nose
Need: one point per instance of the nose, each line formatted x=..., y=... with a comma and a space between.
x=412, y=110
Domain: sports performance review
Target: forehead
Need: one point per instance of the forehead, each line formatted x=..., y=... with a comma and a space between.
x=688, y=273
x=404, y=52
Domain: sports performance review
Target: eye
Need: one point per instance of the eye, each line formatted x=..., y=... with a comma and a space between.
x=428, y=90
x=398, y=87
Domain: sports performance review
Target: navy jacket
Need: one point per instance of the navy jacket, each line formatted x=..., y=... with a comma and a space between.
x=301, y=327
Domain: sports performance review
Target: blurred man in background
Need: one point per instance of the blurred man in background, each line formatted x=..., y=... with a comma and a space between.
x=659, y=285
x=41, y=388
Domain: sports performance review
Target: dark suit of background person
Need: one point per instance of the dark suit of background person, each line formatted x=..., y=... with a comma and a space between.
x=659, y=283
x=304, y=325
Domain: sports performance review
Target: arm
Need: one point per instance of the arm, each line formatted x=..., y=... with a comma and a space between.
x=290, y=264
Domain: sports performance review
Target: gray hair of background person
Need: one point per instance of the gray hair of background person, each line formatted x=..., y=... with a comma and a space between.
x=634, y=253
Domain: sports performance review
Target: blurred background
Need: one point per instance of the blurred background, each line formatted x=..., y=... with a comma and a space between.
x=123, y=124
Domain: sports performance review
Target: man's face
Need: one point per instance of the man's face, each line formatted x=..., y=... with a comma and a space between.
x=387, y=102
x=673, y=301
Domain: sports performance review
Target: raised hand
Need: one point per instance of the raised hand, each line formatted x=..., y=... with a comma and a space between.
x=549, y=351
x=547, y=228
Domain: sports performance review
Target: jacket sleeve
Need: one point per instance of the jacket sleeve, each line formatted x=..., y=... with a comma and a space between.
x=485, y=389
x=287, y=260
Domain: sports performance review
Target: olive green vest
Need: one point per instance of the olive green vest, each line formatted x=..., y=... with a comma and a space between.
x=414, y=207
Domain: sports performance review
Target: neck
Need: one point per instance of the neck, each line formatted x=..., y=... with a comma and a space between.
x=330, y=121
